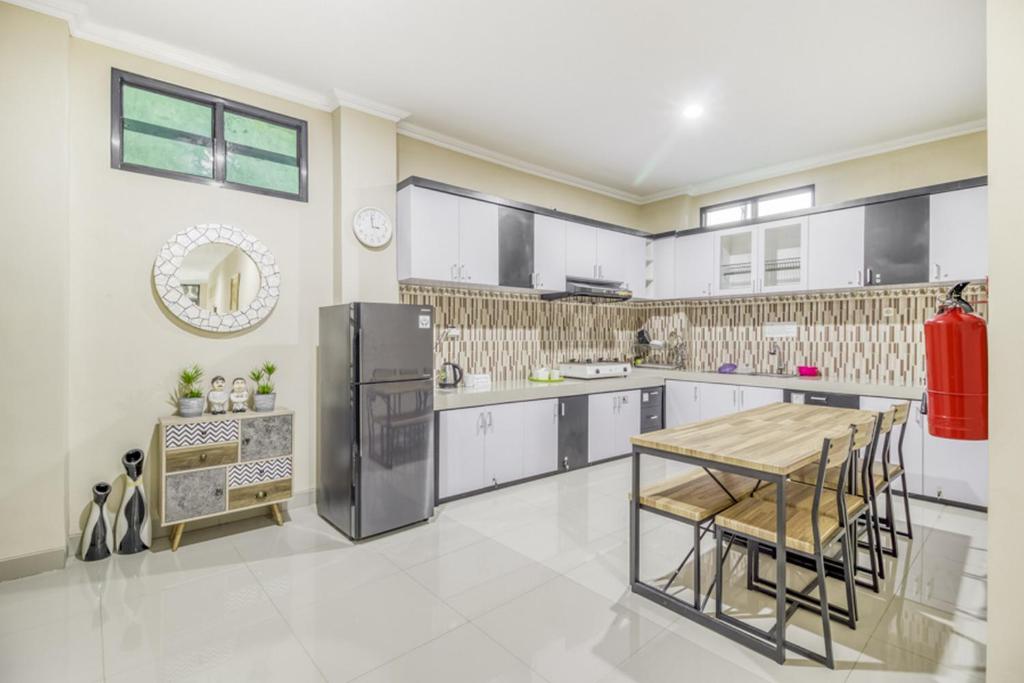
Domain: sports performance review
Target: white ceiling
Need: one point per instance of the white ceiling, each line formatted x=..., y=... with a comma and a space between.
x=593, y=88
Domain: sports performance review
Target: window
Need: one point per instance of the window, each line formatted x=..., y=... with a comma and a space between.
x=761, y=206
x=166, y=130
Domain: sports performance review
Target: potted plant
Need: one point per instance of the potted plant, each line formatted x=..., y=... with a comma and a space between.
x=264, y=399
x=188, y=395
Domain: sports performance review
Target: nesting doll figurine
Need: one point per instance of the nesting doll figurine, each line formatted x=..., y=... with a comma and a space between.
x=217, y=396
x=239, y=395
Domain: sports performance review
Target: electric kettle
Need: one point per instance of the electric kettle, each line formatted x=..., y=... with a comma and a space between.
x=449, y=375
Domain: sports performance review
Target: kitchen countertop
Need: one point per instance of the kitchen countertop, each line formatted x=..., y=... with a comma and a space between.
x=525, y=390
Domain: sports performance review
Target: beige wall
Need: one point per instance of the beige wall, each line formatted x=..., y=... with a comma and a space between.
x=1006, y=244
x=365, y=160
x=33, y=254
x=941, y=161
x=125, y=349
x=423, y=159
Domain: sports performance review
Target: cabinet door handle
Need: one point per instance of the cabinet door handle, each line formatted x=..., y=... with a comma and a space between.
x=860, y=277
x=938, y=271
x=490, y=420
x=554, y=415
x=563, y=409
x=455, y=275
x=694, y=392
x=734, y=398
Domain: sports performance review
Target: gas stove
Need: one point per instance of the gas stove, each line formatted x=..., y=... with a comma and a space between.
x=598, y=369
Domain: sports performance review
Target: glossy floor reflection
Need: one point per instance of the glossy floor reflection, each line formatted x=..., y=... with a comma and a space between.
x=523, y=584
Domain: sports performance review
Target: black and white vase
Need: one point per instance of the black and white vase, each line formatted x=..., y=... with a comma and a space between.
x=96, y=537
x=132, y=531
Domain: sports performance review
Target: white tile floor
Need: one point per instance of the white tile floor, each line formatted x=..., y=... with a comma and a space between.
x=523, y=584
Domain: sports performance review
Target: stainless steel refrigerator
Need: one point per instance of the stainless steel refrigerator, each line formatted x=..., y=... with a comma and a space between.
x=376, y=456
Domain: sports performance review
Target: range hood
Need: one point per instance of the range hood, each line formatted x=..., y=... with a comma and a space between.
x=592, y=289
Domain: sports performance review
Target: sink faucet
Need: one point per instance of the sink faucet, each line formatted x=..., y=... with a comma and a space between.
x=780, y=365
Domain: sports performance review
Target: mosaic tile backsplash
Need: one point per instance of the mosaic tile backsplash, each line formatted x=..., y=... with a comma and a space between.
x=871, y=336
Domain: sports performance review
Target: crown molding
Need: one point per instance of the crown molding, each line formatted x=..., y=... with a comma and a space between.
x=368, y=106
x=80, y=26
x=808, y=163
x=469, y=149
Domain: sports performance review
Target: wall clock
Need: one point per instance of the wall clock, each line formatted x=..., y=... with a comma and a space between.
x=372, y=227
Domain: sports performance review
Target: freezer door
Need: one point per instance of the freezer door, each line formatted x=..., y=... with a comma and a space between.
x=395, y=342
x=396, y=455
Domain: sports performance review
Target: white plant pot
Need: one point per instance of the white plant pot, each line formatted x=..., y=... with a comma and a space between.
x=191, y=407
x=264, y=403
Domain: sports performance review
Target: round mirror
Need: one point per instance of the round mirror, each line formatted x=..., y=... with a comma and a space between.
x=217, y=278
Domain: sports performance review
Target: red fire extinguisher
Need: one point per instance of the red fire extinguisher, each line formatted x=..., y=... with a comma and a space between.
x=956, y=350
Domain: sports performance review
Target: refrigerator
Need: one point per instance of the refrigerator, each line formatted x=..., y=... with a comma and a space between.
x=376, y=404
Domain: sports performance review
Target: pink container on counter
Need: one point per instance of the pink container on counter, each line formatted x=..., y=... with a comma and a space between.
x=807, y=371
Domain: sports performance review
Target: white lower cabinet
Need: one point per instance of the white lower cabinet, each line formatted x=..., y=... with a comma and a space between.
x=612, y=419
x=913, y=441
x=687, y=402
x=540, y=437
x=682, y=403
x=461, y=451
x=955, y=470
x=490, y=445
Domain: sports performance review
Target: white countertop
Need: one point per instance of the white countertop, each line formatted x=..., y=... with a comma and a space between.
x=525, y=390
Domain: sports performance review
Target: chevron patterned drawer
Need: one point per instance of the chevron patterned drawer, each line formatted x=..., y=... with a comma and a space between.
x=199, y=433
x=248, y=473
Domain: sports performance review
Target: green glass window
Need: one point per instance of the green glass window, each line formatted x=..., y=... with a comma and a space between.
x=168, y=133
x=166, y=130
x=261, y=153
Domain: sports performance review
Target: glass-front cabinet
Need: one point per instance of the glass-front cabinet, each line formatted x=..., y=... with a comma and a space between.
x=782, y=256
x=768, y=257
x=735, y=251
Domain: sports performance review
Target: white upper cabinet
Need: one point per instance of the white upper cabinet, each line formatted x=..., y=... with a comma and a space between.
x=580, y=250
x=445, y=237
x=735, y=252
x=664, y=284
x=782, y=256
x=836, y=256
x=478, y=242
x=549, y=255
x=694, y=265
x=958, y=235
x=621, y=258
x=427, y=235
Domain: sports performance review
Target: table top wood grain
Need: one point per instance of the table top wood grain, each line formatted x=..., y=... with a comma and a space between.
x=777, y=439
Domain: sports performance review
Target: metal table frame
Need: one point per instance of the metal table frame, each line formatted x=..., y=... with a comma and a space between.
x=776, y=650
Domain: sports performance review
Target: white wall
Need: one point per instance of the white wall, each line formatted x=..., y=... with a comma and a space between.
x=125, y=349
x=34, y=289
x=1006, y=245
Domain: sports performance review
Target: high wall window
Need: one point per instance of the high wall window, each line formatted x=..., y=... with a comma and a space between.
x=760, y=206
x=166, y=130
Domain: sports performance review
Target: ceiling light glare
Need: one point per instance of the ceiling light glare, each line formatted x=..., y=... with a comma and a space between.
x=693, y=111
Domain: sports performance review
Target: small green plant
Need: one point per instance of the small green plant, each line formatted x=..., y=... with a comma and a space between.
x=188, y=384
x=263, y=376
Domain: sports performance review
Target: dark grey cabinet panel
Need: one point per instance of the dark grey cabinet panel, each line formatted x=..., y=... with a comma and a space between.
x=194, y=494
x=896, y=241
x=651, y=409
x=572, y=432
x=266, y=437
x=515, y=247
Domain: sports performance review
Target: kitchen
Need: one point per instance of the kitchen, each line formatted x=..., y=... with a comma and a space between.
x=563, y=340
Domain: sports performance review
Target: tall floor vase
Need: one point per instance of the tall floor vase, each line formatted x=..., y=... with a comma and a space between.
x=132, y=530
x=97, y=535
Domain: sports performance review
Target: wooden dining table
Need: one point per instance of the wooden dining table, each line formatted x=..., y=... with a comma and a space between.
x=767, y=443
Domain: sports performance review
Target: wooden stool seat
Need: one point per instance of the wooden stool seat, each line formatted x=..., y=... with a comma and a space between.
x=802, y=496
x=756, y=518
x=878, y=473
x=695, y=496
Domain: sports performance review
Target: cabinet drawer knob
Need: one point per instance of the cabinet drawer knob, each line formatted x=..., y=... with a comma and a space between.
x=203, y=456
x=246, y=440
x=261, y=495
x=218, y=491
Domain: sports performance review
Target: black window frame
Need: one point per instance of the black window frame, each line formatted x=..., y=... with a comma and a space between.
x=753, y=201
x=220, y=105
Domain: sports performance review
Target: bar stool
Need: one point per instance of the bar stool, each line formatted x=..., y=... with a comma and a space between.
x=695, y=498
x=808, y=532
